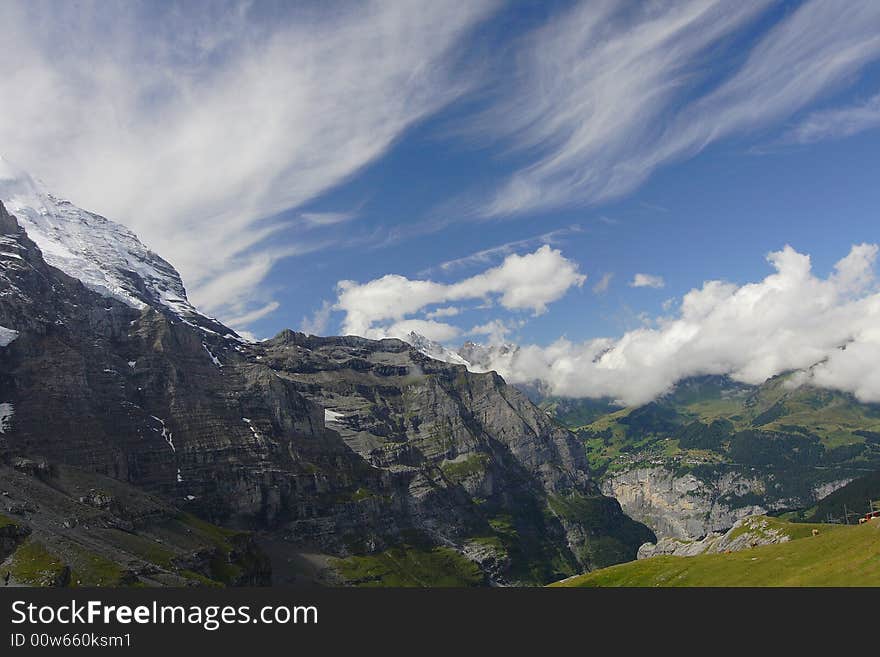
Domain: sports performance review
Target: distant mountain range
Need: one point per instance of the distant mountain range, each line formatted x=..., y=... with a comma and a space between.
x=713, y=451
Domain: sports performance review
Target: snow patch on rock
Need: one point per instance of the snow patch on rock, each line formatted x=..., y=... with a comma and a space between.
x=7, y=410
x=214, y=359
x=332, y=416
x=7, y=336
x=253, y=429
x=167, y=435
x=433, y=349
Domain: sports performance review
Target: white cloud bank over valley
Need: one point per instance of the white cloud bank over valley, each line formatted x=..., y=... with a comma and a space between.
x=791, y=320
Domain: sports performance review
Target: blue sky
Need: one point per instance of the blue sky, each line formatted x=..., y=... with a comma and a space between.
x=271, y=150
x=713, y=215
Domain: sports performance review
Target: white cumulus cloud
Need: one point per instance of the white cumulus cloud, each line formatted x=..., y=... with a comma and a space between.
x=495, y=331
x=791, y=320
x=446, y=311
x=382, y=307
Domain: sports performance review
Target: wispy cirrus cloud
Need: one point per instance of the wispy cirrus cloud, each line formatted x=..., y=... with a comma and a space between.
x=486, y=256
x=647, y=280
x=252, y=316
x=836, y=123
x=196, y=124
x=601, y=286
x=319, y=219
x=609, y=92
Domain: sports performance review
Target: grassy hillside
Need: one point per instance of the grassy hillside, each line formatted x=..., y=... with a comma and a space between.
x=839, y=556
x=808, y=433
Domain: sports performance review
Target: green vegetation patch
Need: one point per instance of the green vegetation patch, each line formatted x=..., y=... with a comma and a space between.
x=493, y=542
x=473, y=464
x=89, y=569
x=223, y=570
x=141, y=546
x=234, y=557
x=33, y=564
x=767, y=526
x=571, y=412
x=530, y=535
x=219, y=536
x=410, y=566
x=712, y=436
x=5, y=521
x=713, y=419
x=199, y=579
x=614, y=536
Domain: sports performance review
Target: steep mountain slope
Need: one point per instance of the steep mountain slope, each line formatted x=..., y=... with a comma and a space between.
x=481, y=466
x=339, y=446
x=64, y=526
x=105, y=256
x=714, y=451
x=847, y=503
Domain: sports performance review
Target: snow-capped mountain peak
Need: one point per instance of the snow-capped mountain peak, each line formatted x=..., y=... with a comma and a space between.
x=106, y=256
x=482, y=357
x=433, y=349
x=476, y=357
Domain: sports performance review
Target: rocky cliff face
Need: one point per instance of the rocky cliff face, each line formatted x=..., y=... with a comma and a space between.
x=340, y=445
x=468, y=459
x=749, y=532
x=682, y=505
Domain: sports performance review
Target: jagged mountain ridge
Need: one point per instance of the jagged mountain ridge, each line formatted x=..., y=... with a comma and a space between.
x=434, y=349
x=473, y=355
x=238, y=433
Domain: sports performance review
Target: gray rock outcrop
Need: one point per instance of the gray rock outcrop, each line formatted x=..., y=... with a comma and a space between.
x=748, y=532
